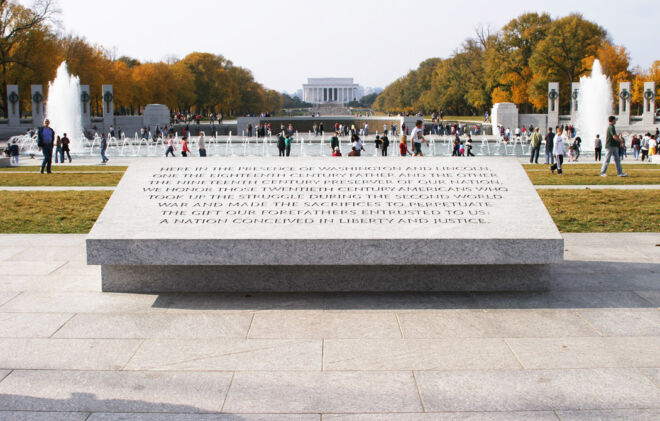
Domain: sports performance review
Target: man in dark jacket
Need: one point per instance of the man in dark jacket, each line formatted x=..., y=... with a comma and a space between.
x=549, y=147
x=46, y=141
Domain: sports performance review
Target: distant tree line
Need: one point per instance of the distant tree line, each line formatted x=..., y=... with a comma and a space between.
x=515, y=64
x=31, y=50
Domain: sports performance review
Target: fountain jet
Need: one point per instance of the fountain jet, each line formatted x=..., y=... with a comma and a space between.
x=63, y=108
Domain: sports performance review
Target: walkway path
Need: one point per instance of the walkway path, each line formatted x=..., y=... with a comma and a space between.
x=585, y=349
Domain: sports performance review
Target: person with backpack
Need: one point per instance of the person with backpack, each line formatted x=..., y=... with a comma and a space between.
x=287, y=143
x=281, y=144
x=385, y=143
x=104, y=147
x=559, y=151
x=378, y=142
x=535, y=141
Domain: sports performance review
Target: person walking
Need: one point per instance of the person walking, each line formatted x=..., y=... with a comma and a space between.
x=65, y=148
x=14, y=152
x=358, y=147
x=201, y=144
x=549, y=147
x=644, y=147
x=612, y=144
x=417, y=137
x=184, y=146
x=104, y=147
x=535, y=141
x=59, y=156
x=385, y=144
x=45, y=142
x=653, y=147
x=281, y=144
x=170, y=147
x=559, y=152
x=334, y=141
x=403, y=145
x=287, y=143
x=598, y=148
x=468, y=146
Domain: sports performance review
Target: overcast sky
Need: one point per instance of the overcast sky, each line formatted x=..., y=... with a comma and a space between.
x=284, y=42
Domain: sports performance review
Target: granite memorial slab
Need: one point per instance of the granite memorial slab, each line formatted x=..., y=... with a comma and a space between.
x=200, y=224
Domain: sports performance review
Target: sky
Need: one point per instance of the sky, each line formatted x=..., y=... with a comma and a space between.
x=283, y=42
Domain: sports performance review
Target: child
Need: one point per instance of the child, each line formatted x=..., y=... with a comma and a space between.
x=403, y=146
x=336, y=151
x=184, y=146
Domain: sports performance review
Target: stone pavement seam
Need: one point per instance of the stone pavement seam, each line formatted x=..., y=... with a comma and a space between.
x=514, y=354
x=66, y=262
x=6, y=375
x=133, y=355
x=589, y=324
x=641, y=370
x=247, y=334
x=322, y=354
x=62, y=325
x=557, y=415
x=398, y=322
x=419, y=391
x=2, y=303
x=224, y=401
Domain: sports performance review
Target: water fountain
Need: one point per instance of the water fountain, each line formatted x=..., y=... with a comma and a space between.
x=594, y=106
x=64, y=108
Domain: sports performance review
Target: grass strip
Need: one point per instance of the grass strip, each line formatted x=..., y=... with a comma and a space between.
x=67, y=212
x=603, y=210
x=66, y=168
x=60, y=179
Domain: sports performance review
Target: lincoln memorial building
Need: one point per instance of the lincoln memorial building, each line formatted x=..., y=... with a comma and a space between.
x=332, y=90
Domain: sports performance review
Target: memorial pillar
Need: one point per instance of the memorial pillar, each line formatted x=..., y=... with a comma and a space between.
x=575, y=92
x=108, y=107
x=648, y=117
x=624, y=103
x=553, y=104
x=13, y=106
x=85, y=107
x=38, y=112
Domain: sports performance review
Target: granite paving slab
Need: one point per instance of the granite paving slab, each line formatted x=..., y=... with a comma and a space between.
x=530, y=390
x=546, y=353
x=498, y=323
x=319, y=324
x=653, y=297
x=611, y=415
x=66, y=354
x=113, y=391
x=320, y=392
x=31, y=325
x=42, y=416
x=227, y=355
x=203, y=417
x=448, y=416
x=417, y=354
x=623, y=322
x=81, y=302
x=31, y=268
x=179, y=326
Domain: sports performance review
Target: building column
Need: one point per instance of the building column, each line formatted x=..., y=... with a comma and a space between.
x=575, y=91
x=38, y=111
x=13, y=106
x=648, y=117
x=85, y=107
x=624, y=103
x=108, y=107
x=553, y=104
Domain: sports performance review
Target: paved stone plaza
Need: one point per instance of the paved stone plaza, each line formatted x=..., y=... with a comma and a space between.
x=588, y=348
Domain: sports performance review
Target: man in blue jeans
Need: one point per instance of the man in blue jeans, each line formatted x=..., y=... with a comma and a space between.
x=46, y=141
x=612, y=144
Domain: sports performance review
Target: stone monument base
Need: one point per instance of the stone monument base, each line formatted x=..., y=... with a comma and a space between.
x=5, y=162
x=438, y=278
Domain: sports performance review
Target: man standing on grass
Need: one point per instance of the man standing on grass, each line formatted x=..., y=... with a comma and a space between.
x=535, y=140
x=45, y=142
x=612, y=144
x=549, y=147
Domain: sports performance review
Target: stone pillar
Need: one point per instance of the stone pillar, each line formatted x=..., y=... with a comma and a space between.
x=38, y=112
x=506, y=115
x=624, y=103
x=108, y=107
x=13, y=106
x=575, y=92
x=648, y=117
x=553, y=104
x=85, y=107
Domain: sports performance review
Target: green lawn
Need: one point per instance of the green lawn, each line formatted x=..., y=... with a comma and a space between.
x=67, y=168
x=589, y=174
x=67, y=179
x=67, y=212
x=603, y=210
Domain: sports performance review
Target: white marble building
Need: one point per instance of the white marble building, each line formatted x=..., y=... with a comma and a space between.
x=332, y=90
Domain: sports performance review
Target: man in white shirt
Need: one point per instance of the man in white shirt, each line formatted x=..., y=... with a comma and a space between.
x=417, y=137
